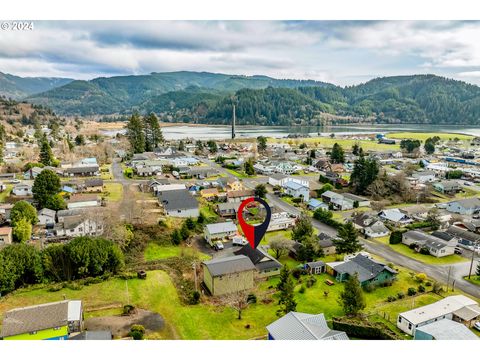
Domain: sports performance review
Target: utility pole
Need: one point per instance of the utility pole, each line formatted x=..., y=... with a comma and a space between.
x=448, y=278
x=194, y=266
x=233, y=118
x=473, y=258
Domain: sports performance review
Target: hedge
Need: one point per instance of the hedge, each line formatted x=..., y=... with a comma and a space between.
x=358, y=328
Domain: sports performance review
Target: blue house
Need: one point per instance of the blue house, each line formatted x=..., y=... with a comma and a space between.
x=314, y=204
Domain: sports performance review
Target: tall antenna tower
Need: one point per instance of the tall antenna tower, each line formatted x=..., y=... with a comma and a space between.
x=233, y=117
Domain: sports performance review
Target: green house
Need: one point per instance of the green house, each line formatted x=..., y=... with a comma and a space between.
x=369, y=271
x=52, y=321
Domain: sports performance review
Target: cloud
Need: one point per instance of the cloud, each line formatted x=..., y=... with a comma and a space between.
x=341, y=52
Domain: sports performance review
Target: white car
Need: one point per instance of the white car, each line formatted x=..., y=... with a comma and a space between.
x=218, y=245
x=239, y=241
x=477, y=326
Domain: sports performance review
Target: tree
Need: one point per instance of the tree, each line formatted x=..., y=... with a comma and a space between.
x=137, y=332
x=260, y=190
x=309, y=250
x=286, y=297
x=249, y=169
x=365, y=172
x=347, y=243
x=46, y=154
x=352, y=298
x=238, y=301
x=429, y=146
x=152, y=132
x=23, y=210
x=56, y=202
x=22, y=230
x=46, y=185
x=410, y=145
x=79, y=140
x=181, y=146
x=212, y=146
x=337, y=156
x=356, y=149
x=262, y=143
x=325, y=187
x=135, y=134
x=280, y=247
x=478, y=270
x=303, y=229
x=199, y=145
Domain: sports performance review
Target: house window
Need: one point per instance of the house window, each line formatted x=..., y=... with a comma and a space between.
x=33, y=332
x=409, y=326
x=56, y=328
x=399, y=319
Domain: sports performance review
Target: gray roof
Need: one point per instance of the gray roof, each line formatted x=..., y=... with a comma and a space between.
x=229, y=265
x=47, y=212
x=93, y=182
x=378, y=227
x=419, y=236
x=302, y=326
x=223, y=227
x=35, y=318
x=82, y=169
x=177, y=200
x=366, y=268
x=447, y=329
x=472, y=203
x=277, y=176
x=262, y=260
x=464, y=234
x=228, y=206
x=93, y=335
x=443, y=235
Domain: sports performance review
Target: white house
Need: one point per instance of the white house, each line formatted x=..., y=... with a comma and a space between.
x=179, y=203
x=22, y=190
x=424, y=176
x=377, y=229
x=464, y=206
x=46, y=216
x=280, y=221
x=395, y=216
x=409, y=321
x=78, y=225
x=219, y=231
x=297, y=190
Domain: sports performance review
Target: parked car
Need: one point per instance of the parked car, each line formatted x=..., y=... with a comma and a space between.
x=239, y=241
x=218, y=245
x=477, y=325
x=458, y=251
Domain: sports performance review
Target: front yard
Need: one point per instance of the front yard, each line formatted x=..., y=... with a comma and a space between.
x=113, y=191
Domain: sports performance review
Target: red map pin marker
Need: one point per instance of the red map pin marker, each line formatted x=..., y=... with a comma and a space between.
x=254, y=233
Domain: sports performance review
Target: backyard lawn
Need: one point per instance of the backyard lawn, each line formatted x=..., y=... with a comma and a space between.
x=159, y=252
x=4, y=194
x=114, y=191
x=345, y=143
x=106, y=172
x=427, y=259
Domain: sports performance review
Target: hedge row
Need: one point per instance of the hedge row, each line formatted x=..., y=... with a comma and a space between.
x=360, y=329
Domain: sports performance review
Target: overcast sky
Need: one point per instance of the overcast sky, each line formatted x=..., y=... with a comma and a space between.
x=343, y=52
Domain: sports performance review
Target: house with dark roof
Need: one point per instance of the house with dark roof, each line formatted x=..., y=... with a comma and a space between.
x=265, y=264
x=368, y=270
x=52, y=321
x=464, y=237
x=226, y=275
x=179, y=203
x=325, y=242
x=83, y=170
x=94, y=185
x=302, y=326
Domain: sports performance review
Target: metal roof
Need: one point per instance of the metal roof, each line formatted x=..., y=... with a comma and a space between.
x=229, y=265
x=302, y=326
x=223, y=227
x=177, y=200
x=447, y=329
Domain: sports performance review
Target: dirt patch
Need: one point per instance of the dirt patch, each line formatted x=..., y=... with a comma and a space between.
x=120, y=325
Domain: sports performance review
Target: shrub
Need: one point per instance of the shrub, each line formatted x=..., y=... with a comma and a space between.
x=194, y=298
x=421, y=277
x=364, y=329
x=137, y=332
x=369, y=287
x=128, y=309
x=302, y=289
x=252, y=299
x=428, y=283
x=297, y=200
x=437, y=288
x=311, y=281
x=421, y=288
x=424, y=251
x=296, y=273
x=411, y=291
x=412, y=246
x=395, y=237
x=391, y=298
x=400, y=295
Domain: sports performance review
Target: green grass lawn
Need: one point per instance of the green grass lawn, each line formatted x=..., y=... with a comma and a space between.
x=427, y=259
x=114, y=191
x=159, y=252
x=474, y=279
x=6, y=193
x=424, y=136
x=345, y=143
x=106, y=172
x=238, y=174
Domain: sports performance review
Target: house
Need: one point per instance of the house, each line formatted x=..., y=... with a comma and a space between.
x=368, y=270
x=161, y=187
x=78, y=225
x=328, y=196
x=277, y=179
x=5, y=235
x=325, y=242
x=315, y=267
x=236, y=196
x=5, y=210
x=22, y=190
x=228, y=274
x=145, y=171
x=410, y=321
x=464, y=237
x=395, y=216
x=447, y=187
x=219, y=231
x=52, y=321
x=82, y=201
x=416, y=212
x=209, y=194
x=280, y=221
x=201, y=172
x=361, y=220
x=424, y=177
x=179, y=203
x=375, y=230
x=464, y=206
x=355, y=199
x=265, y=264
x=32, y=173
x=297, y=190
x=444, y=329
x=302, y=326
x=46, y=216
x=435, y=245
x=227, y=209
x=314, y=204
x=234, y=185
x=82, y=170
x=94, y=185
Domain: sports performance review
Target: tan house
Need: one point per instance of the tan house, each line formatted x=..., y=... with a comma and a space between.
x=209, y=194
x=5, y=235
x=234, y=185
x=93, y=185
x=228, y=275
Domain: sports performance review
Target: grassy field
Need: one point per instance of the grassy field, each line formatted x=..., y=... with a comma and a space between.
x=427, y=259
x=158, y=252
x=424, y=136
x=238, y=174
x=114, y=191
x=473, y=279
x=345, y=143
x=6, y=193
x=106, y=172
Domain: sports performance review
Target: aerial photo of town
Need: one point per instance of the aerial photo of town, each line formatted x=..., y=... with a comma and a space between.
x=193, y=181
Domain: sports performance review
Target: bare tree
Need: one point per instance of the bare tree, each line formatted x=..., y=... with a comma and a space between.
x=238, y=301
x=280, y=247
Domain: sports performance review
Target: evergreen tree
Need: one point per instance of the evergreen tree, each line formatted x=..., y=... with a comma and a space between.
x=286, y=297
x=303, y=229
x=45, y=186
x=260, y=190
x=80, y=140
x=352, y=298
x=347, y=243
x=249, y=169
x=429, y=146
x=135, y=134
x=153, y=132
x=309, y=250
x=365, y=172
x=212, y=146
x=181, y=146
x=337, y=156
x=46, y=154
x=262, y=143
x=22, y=230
